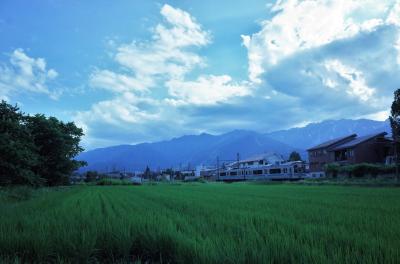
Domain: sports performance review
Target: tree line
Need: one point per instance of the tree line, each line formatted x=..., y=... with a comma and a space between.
x=36, y=150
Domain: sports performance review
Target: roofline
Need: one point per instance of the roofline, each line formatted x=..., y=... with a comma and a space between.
x=365, y=140
x=333, y=143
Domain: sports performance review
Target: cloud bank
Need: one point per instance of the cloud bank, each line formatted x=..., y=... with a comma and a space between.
x=312, y=60
x=152, y=87
x=336, y=58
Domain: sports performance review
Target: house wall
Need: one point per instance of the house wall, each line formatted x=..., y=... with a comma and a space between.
x=324, y=156
x=317, y=163
x=318, y=158
x=371, y=151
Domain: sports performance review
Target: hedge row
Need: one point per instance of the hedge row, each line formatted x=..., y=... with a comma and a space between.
x=359, y=170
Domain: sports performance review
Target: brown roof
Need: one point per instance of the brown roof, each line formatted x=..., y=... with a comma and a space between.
x=332, y=142
x=358, y=140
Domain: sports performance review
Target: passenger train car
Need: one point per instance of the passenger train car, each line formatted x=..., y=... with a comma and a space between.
x=278, y=171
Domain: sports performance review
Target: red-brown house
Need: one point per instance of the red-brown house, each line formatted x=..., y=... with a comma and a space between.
x=350, y=150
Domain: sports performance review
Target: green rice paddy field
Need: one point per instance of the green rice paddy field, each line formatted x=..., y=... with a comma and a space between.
x=203, y=223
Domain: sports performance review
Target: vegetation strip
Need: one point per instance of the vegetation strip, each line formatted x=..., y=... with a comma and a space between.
x=203, y=223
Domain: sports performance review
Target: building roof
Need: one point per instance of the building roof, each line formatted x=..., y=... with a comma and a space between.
x=332, y=142
x=269, y=157
x=359, y=140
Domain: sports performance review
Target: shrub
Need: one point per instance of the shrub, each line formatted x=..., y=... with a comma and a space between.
x=107, y=181
x=332, y=169
x=358, y=170
x=19, y=193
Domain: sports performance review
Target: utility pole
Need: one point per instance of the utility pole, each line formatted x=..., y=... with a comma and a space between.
x=217, y=168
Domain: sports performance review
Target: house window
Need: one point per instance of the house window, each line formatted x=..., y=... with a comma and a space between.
x=285, y=170
x=350, y=153
x=250, y=163
x=261, y=162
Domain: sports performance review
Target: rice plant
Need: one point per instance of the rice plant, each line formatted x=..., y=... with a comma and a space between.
x=203, y=223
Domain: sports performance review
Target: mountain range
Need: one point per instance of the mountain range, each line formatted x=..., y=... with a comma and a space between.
x=192, y=150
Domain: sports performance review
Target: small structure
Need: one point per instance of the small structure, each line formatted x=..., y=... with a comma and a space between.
x=136, y=180
x=207, y=172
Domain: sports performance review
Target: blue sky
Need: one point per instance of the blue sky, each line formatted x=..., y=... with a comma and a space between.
x=136, y=71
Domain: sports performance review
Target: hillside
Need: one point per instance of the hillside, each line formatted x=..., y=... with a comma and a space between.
x=315, y=133
x=183, y=151
x=193, y=150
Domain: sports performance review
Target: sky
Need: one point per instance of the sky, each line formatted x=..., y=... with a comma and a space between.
x=133, y=71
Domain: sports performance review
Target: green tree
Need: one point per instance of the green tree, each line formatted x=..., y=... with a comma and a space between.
x=147, y=173
x=91, y=176
x=294, y=156
x=395, y=125
x=18, y=151
x=57, y=144
x=36, y=150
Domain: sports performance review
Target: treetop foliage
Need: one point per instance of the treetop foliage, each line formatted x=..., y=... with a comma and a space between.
x=294, y=156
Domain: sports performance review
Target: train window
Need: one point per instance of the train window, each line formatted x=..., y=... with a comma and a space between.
x=233, y=173
x=261, y=162
x=266, y=171
x=222, y=174
x=257, y=172
x=274, y=171
x=285, y=170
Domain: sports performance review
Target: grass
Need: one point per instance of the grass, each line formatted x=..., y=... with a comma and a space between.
x=203, y=223
x=365, y=181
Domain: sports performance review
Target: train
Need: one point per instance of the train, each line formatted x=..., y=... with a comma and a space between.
x=295, y=170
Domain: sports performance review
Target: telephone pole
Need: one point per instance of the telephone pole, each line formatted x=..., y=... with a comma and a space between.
x=217, y=168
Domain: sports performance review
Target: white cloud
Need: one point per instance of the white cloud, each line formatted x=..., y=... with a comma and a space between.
x=121, y=109
x=378, y=116
x=207, y=90
x=337, y=59
x=302, y=25
x=168, y=53
x=118, y=83
x=185, y=31
x=26, y=74
x=158, y=75
x=394, y=15
x=312, y=60
x=355, y=83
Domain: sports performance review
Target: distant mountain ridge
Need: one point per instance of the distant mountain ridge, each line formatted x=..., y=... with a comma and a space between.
x=315, y=133
x=193, y=150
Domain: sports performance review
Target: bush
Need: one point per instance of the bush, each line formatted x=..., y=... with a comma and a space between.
x=358, y=170
x=106, y=181
x=19, y=193
x=331, y=170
